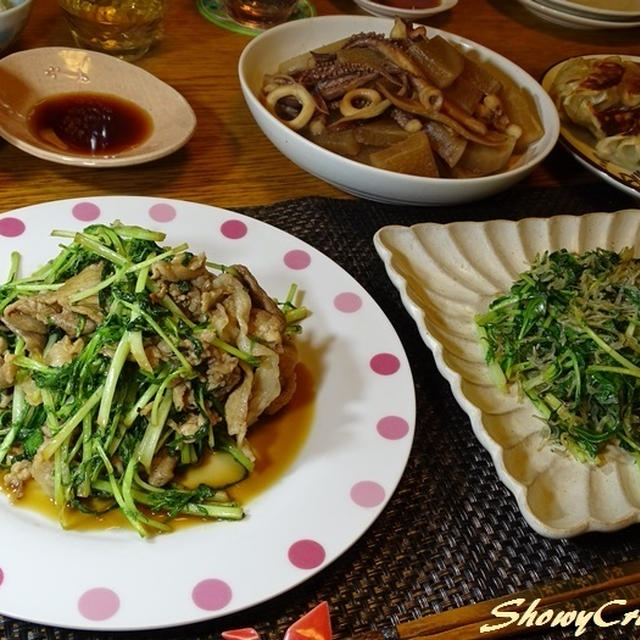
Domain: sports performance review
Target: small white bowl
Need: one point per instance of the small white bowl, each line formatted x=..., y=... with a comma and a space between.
x=387, y=10
x=29, y=77
x=13, y=21
x=268, y=50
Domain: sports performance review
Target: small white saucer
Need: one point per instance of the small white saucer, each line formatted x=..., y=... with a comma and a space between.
x=390, y=11
x=30, y=76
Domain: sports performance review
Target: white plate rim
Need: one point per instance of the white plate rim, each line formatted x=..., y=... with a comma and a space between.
x=593, y=12
x=573, y=20
x=250, y=575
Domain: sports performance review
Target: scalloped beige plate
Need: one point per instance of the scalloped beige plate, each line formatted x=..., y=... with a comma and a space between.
x=446, y=274
x=27, y=77
x=581, y=144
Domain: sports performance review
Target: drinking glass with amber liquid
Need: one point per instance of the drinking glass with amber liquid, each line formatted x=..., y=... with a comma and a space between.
x=259, y=14
x=124, y=28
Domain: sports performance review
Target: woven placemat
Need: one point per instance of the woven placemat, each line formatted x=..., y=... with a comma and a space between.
x=452, y=533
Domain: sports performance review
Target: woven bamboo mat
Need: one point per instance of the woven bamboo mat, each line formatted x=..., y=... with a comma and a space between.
x=451, y=534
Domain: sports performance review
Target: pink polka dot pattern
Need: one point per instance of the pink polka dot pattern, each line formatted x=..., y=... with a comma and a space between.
x=347, y=302
x=99, y=603
x=297, y=259
x=233, y=229
x=392, y=427
x=384, y=364
x=85, y=211
x=306, y=554
x=367, y=493
x=11, y=227
x=211, y=594
x=162, y=212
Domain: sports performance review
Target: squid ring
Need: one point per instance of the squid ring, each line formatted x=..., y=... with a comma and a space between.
x=347, y=106
x=297, y=91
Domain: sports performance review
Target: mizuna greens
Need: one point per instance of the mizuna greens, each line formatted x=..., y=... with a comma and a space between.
x=567, y=334
x=124, y=361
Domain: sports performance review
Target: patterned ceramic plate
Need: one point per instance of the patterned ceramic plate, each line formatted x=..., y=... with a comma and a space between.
x=446, y=274
x=214, y=11
x=580, y=144
x=342, y=477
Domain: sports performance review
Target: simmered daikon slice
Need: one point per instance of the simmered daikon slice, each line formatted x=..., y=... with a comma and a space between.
x=481, y=160
x=441, y=61
x=380, y=133
x=343, y=142
x=412, y=156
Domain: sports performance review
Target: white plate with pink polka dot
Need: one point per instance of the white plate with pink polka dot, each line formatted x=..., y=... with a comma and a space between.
x=340, y=481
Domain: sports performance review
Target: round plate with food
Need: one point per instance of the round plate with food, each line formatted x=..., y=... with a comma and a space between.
x=605, y=140
x=187, y=393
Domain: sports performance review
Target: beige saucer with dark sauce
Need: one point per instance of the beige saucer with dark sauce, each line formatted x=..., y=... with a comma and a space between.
x=163, y=118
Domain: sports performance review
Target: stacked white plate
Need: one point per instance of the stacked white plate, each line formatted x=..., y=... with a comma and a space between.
x=587, y=14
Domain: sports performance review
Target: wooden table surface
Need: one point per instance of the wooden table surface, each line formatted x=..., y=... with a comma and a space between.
x=229, y=162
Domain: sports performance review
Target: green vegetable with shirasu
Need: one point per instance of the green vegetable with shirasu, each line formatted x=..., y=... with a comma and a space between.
x=123, y=362
x=567, y=334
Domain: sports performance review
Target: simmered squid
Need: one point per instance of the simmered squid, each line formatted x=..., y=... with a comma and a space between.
x=405, y=103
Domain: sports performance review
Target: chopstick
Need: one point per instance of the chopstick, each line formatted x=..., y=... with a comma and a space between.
x=586, y=593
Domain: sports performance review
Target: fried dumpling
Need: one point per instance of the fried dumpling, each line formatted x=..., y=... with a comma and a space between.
x=603, y=96
x=585, y=87
x=623, y=150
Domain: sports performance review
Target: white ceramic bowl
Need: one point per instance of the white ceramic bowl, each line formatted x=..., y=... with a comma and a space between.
x=12, y=21
x=268, y=50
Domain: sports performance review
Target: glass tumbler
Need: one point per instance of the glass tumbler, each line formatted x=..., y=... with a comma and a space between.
x=260, y=14
x=124, y=28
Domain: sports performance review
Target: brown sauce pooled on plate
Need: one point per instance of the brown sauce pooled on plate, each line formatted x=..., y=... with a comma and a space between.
x=90, y=123
x=276, y=440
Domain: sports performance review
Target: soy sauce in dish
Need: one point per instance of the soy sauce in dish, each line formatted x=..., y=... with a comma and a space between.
x=90, y=123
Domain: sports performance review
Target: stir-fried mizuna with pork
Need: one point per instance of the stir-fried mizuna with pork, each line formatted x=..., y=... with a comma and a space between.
x=123, y=362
